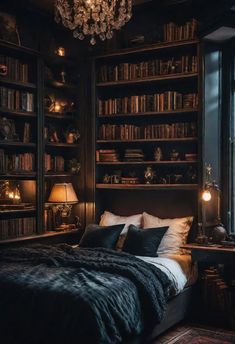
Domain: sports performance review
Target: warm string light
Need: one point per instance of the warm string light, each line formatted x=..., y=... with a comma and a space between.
x=94, y=18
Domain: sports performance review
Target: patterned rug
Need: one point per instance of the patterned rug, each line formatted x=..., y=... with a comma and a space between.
x=202, y=336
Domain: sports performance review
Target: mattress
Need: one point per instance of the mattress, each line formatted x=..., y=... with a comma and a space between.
x=179, y=268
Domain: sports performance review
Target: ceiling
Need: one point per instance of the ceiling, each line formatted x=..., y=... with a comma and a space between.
x=48, y=5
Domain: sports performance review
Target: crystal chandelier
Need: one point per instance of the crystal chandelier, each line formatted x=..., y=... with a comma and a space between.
x=93, y=17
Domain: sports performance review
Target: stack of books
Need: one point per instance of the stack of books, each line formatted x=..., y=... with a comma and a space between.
x=16, y=162
x=134, y=155
x=107, y=155
x=54, y=163
x=130, y=180
x=16, y=100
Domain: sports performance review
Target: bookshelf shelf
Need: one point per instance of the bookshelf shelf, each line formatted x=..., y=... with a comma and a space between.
x=7, y=214
x=61, y=145
x=59, y=174
x=183, y=139
x=38, y=236
x=13, y=113
x=140, y=163
x=17, y=84
x=148, y=80
x=148, y=114
x=9, y=144
x=65, y=117
x=147, y=186
x=149, y=48
x=18, y=176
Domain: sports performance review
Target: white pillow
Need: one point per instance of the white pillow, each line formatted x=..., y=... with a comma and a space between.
x=175, y=236
x=110, y=219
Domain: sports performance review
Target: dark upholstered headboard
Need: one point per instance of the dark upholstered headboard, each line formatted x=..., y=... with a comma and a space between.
x=163, y=203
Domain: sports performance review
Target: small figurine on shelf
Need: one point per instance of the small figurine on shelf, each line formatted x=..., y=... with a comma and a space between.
x=149, y=175
x=7, y=130
x=158, y=156
x=191, y=175
x=3, y=70
x=106, y=179
x=72, y=135
x=74, y=166
x=53, y=135
x=174, y=155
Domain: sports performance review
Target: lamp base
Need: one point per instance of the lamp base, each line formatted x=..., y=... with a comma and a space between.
x=65, y=227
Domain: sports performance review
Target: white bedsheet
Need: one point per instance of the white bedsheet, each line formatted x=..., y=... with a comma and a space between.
x=179, y=269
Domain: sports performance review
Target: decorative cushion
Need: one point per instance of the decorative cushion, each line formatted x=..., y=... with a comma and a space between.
x=143, y=242
x=99, y=236
x=176, y=234
x=110, y=219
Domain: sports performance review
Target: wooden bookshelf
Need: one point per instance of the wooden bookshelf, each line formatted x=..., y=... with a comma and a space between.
x=114, y=94
x=33, y=185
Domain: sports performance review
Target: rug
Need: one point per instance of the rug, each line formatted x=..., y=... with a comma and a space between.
x=202, y=336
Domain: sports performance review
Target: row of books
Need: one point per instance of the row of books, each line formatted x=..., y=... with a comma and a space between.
x=132, y=71
x=16, y=162
x=54, y=163
x=49, y=219
x=159, y=102
x=153, y=131
x=16, y=100
x=216, y=292
x=174, y=32
x=16, y=70
x=14, y=228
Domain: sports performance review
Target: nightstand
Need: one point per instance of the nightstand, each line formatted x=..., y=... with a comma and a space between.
x=216, y=286
x=211, y=254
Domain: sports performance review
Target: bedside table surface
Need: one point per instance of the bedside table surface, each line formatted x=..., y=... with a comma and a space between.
x=211, y=254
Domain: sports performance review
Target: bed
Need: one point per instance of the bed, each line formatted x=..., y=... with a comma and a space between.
x=59, y=294
x=69, y=294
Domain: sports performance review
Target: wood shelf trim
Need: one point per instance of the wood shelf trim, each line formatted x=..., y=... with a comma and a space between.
x=18, y=49
x=18, y=176
x=18, y=212
x=59, y=174
x=214, y=248
x=149, y=113
x=17, y=113
x=61, y=144
x=59, y=116
x=182, y=162
x=17, y=144
x=38, y=236
x=185, y=139
x=147, y=48
x=20, y=84
x=178, y=76
x=147, y=186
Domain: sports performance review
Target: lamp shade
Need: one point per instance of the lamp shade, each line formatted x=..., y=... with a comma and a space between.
x=63, y=193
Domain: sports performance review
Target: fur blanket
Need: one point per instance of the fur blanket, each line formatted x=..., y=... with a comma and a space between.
x=57, y=294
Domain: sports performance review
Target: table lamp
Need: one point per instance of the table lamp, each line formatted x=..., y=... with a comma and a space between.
x=63, y=197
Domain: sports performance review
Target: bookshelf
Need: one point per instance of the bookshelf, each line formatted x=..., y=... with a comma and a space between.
x=147, y=101
x=25, y=182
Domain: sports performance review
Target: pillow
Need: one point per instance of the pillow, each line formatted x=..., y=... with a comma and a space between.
x=110, y=219
x=143, y=242
x=98, y=236
x=176, y=234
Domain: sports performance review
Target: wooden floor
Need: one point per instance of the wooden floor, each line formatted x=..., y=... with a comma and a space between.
x=181, y=328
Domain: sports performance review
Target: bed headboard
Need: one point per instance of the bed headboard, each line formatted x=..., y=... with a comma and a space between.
x=160, y=203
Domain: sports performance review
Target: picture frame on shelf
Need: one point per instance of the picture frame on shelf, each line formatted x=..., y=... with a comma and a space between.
x=8, y=29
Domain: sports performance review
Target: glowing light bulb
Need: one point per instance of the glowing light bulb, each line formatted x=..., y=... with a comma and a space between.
x=206, y=196
x=57, y=107
x=11, y=195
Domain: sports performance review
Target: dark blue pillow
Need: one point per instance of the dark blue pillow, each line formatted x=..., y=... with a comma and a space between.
x=143, y=242
x=101, y=236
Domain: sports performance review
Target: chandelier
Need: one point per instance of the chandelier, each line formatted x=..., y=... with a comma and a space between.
x=94, y=18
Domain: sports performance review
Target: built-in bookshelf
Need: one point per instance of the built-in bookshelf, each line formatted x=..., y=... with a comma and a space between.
x=39, y=140
x=148, y=115
x=61, y=128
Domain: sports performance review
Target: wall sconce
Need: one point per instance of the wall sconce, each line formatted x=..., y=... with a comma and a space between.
x=63, y=197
